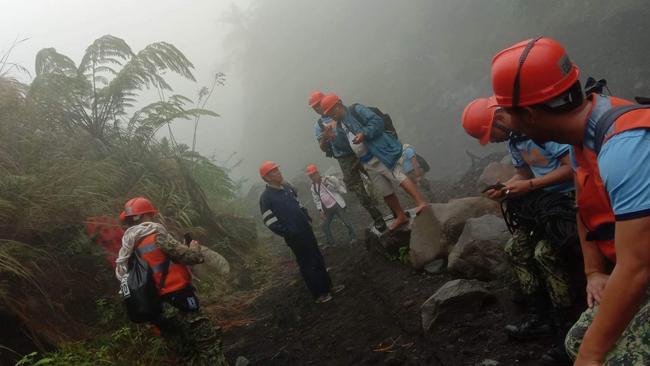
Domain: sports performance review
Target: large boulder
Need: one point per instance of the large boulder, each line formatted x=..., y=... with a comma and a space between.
x=436, y=230
x=455, y=296
x=496, y=172
x=425, y=244
x=479, y=250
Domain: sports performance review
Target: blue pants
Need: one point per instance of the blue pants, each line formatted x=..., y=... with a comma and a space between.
x=330, y=214
x=311, y=262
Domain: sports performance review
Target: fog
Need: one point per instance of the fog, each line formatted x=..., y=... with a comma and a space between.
x=420, y=61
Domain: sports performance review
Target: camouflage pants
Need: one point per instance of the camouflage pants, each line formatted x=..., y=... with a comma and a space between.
x=539, y=266
x=633, y=348
x=352, y=170
x=194, y=337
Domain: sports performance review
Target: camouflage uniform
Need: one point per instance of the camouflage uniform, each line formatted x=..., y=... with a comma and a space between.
x=633, y=348
x=539, y=266
x=352, y=170
x=190, y=332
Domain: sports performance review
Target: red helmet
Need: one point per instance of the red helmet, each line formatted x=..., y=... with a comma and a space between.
x=532, y=72
x=315, y=97
x=311, y=169
x=328, y=102
x=267, y=167
x=138, y=206
x=478, y=118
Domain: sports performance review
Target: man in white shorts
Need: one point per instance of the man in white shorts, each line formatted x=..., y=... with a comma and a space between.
x=379, y=151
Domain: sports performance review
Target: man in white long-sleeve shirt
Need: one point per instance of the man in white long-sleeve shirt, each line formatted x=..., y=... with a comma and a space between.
x=326, y=193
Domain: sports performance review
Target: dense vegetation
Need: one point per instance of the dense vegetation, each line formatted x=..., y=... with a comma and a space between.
x=76, y=143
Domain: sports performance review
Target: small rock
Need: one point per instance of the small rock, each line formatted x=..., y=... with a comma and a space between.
x=242, y=361
x=489, y=362
x=436, y=267
x=457, y=296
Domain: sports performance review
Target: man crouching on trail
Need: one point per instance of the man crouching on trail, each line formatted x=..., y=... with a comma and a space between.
x=181, y=322
x=283, y=214
x=540, y=263
x=379, y=152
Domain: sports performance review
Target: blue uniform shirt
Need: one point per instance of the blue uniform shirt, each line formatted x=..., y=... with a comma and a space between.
x=540, y=160
x=624, y=164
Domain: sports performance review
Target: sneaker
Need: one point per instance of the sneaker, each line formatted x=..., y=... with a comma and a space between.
x=323, y=299
x=337, y=289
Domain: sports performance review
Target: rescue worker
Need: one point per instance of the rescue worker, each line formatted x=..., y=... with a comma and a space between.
x=326, y=193
x=379, y=152
x=283, y=214
x=540, y=266
x=538, y=86
x=336, y=145
x=182, y=322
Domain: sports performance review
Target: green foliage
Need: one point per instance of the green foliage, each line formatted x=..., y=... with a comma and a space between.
x=404, y=254
x=69, y=151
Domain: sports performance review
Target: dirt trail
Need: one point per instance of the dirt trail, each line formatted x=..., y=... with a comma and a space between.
x=374, y=321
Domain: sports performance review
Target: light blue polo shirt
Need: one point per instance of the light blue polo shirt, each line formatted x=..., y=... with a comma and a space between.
x=540, y=159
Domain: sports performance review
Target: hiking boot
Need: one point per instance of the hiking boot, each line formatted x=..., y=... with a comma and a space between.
x=323, y=299
x=337, y=289
x=556, y=356
x=532, y=327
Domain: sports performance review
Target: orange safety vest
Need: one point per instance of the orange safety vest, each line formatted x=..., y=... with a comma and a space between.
x=594, y=206
x=178, y=275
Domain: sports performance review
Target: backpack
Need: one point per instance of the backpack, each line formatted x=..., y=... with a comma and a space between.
x=328, y=147
x=388, y=122
x=424, y=165
x=139, y=290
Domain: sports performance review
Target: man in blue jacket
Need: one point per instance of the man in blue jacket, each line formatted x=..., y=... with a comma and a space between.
x=338, y=147
x=379, y=151
x=283, y=214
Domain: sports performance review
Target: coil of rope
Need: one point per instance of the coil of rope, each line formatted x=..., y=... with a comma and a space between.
x=548, y=215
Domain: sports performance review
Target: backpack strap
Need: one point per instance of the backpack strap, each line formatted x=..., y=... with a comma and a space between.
x=321, y=124
x=356, y=115
x=606, y=121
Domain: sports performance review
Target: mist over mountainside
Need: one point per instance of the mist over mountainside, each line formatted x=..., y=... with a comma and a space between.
x=420, y=61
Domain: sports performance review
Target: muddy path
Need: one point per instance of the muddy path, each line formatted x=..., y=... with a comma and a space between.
x=374, y=321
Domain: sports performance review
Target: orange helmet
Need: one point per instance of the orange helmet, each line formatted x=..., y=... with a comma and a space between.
x=311, y=169
x=328, y=102
x=532, y=72
x=267, y=167
x=315, y=97
x=478, y=118
x=137, y=206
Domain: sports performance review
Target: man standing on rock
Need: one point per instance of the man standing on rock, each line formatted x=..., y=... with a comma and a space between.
x=379, y=151
x=336, y=145
x=540, y=266
x=283, y=214
x=538, y=86
x=326, y=192
x=181, y=322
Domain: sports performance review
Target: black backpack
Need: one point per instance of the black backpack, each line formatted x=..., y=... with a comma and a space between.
x=388, y=122
x=139, y=290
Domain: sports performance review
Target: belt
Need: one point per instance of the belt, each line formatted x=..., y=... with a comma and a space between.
x=366, y=158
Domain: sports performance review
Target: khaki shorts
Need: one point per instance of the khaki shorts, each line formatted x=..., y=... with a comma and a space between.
x=384, y=179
